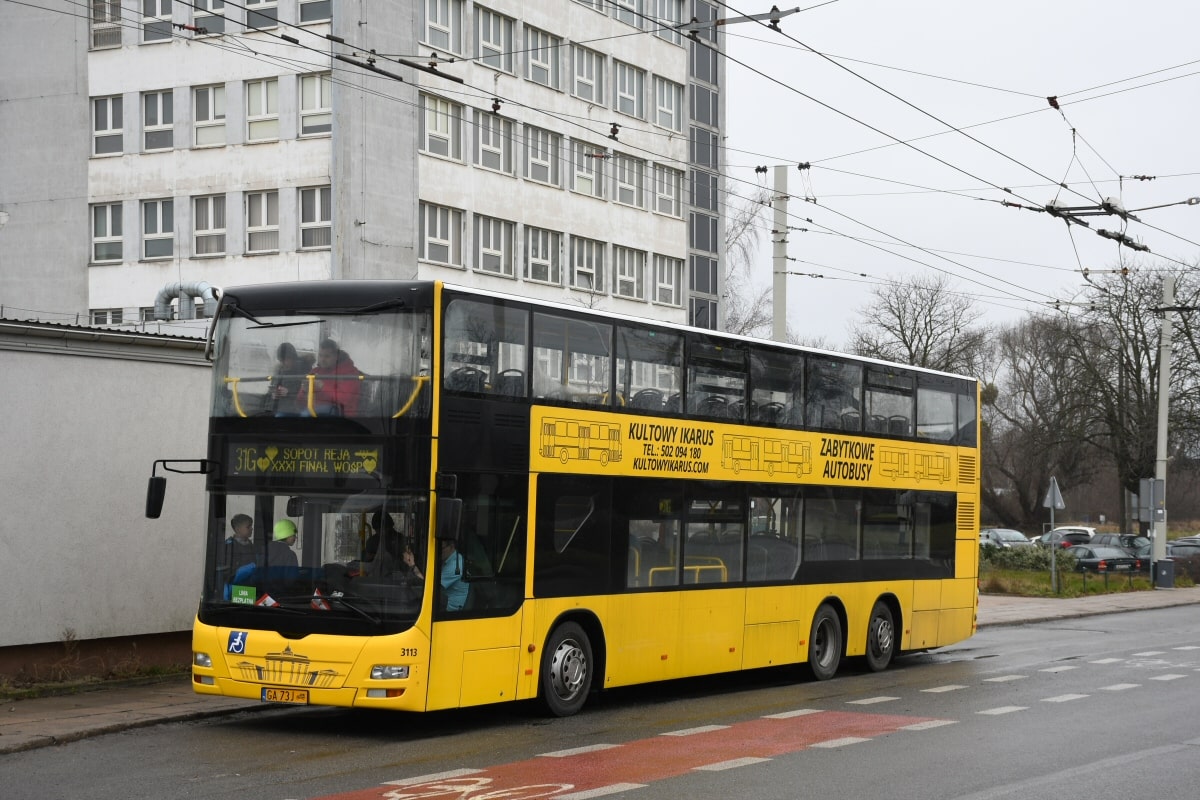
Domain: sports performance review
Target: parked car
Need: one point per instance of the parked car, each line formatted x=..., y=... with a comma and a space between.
x=1064, y=537
x=1102, y=559
x=1179, y=549
x=1003, y=537
x=1126, y=541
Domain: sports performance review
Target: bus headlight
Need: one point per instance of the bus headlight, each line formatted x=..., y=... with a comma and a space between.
x=382, y=672
x=202, y=660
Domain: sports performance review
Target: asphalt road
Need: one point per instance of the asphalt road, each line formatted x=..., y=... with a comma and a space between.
x=1096, y=707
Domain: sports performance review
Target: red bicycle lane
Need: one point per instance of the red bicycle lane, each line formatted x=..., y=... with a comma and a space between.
x=604, y=769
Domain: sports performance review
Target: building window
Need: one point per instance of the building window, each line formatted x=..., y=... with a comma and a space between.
x=495, y=135
x=668, y=278
x=629, y=273
x=631, y=178
x=588, y=82
x=494, y=245
x=210, y=17
x=628, y=11
x=495, y=42
x=704, y=233
x=704, y=190
x=704, y=105
x=106, y=24
x=587, y=264
x=543, y=48
x=261, y=14
x=157, y=121
x=588, y=168
x=107, y=130
x=316, y=218
x=209, y=115
x=315, y=11
x=208, y=225
x=704, y=62
x=629, y=90
x=595, y=5
x=442, y=24
x=107, y=316
x=668, y=104
x=441, y=127
x=106, y=233
x=668, y=184
x=316, y=105
x=262, y=110
x=670, y=15
x=704, y=148
x=542, y=155
x=262, y=222
x=542, y=249
x=441, y=235
x=156, y=20
x=158, y=228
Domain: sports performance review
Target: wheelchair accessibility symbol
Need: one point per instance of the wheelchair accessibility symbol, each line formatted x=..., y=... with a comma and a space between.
x=237, y=642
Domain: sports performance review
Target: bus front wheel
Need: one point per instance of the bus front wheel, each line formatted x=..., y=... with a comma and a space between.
x=881, y=638
x=825, y=644
x=566, y=670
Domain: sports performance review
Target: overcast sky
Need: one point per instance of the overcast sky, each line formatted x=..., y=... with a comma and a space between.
x=1127, y=79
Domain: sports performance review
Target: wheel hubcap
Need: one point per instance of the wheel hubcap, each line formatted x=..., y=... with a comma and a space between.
x=568, y=668
x=882, y=640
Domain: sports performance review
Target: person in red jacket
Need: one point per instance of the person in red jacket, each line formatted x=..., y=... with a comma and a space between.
x=335, y=385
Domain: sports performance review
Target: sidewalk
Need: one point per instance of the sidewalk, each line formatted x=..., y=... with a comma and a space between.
x=44, y=721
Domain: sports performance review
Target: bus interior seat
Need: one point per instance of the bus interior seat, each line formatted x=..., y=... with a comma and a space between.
x=877, y=423
x=648, y=399
x=851, y=421
x=898, y=425
x=467, y=379
x=768, y=412
x=510, y=383
x=674, y=403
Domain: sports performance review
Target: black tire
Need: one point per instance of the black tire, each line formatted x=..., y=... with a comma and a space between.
x=567, y=669
x=881, y=638
x=825, y=644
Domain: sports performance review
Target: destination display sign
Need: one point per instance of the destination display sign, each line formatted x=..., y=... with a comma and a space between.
x=301, y=461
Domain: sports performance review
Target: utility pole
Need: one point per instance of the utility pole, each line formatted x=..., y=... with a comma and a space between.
x=779, y=230
x=1158, y=550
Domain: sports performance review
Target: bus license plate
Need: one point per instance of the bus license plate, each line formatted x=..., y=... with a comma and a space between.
x=298, y=696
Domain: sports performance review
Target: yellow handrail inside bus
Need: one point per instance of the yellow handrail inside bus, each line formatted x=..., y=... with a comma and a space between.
x=312, y=412
x=237, y=401
x=420, y=381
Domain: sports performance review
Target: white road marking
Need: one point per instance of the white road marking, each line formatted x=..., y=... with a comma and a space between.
x=924, y=726
x=1061, y=668
x=1003, y=710
x=601, y=791
x=947, y=688
x=1063, y=698
x=845, y=740
x=1119, y=687
x=1004, y=678
x=1106, y=660
x=694, y=731
x=574, y=751
x=1149, y=653
x=732, y=764
x=799, y=712
x=436, y=776
x=867, y=701
x=1167, y=677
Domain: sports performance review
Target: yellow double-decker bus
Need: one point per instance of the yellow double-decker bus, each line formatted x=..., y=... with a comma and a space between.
x=457, y=497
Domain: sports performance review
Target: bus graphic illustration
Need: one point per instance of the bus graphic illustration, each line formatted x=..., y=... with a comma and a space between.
x=895, y=462
x=756, y=454
x=572, y=440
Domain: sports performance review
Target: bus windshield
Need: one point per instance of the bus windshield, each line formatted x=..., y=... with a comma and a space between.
x=357, y=558
x=321, y=365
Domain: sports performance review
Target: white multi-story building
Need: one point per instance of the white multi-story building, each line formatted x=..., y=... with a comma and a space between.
x=566, y=149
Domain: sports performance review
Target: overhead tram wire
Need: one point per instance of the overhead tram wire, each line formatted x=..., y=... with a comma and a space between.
x=911, y=105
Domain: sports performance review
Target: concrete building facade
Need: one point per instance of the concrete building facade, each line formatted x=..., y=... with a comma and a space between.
x=566, y=150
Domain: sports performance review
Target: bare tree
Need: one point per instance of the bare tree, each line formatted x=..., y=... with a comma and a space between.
x=921, y=320
x=747, y=303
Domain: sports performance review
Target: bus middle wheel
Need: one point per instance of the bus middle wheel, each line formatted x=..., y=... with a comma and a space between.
x=566, y=670
x=825, y=644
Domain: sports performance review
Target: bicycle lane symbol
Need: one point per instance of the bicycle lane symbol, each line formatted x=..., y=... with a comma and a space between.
x=474, y=788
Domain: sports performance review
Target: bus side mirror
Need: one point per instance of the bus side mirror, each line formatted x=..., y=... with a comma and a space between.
x=449, y=518
x=156, y=491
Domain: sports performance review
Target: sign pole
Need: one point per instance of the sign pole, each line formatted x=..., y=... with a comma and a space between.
x=1053, y=500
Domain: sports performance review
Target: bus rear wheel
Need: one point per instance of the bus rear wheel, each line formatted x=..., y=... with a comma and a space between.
x=566, y=670
x=881, y=638
x=825, y=644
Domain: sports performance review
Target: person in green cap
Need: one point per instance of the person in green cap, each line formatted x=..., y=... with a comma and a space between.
x=279, y=549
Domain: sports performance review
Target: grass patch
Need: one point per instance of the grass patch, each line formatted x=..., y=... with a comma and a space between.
x=1026, y=572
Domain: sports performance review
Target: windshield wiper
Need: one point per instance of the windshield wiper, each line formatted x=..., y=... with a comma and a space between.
x=309, y=598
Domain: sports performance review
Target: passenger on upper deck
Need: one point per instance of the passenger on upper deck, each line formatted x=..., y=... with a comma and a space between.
x=335, y=383
x=289, y=377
